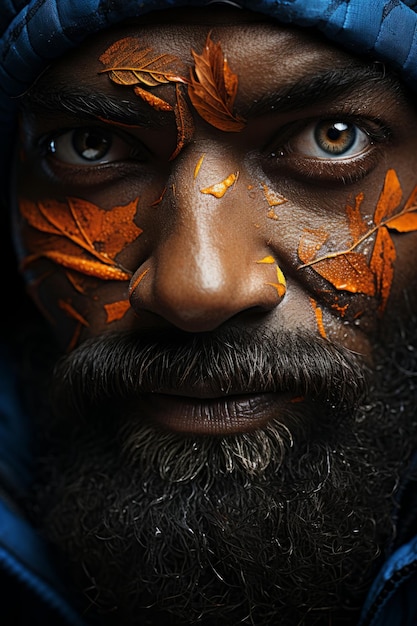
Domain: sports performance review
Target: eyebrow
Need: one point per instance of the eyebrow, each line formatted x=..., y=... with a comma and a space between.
x=88, y=104
x=324, y=87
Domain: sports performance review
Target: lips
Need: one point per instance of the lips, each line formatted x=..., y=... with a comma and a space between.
x=223, y=415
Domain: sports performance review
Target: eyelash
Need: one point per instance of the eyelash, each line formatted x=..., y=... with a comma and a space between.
x=345, y=169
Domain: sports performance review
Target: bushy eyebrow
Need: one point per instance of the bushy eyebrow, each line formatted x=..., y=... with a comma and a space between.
x=324, y=87
x=91, y=104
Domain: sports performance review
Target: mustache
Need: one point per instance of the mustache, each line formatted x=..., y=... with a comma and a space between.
x=123, y=366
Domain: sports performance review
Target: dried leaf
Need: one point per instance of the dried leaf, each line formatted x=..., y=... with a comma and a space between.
x=357, y=225
x=389, y=199
x=213, y=88
x=184, y=120
x=128, y=64
x=80, y=264
x=311, y=242
x=348, y=272
x=63, y=231
x=152, y=100
x=382, y=264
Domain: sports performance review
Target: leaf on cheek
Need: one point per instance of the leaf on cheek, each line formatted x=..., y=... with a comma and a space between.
x=311, y=241
x=382, y=264
x=348, y=272
x=213, y=88
x=389, y=199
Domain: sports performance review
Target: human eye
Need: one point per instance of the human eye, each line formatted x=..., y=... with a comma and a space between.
x=331, y=139
x=90, y=146
x=334, y=149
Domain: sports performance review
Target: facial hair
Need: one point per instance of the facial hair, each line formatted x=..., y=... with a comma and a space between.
x=284, y=525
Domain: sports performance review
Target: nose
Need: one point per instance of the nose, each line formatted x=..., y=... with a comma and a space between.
x=209, y=262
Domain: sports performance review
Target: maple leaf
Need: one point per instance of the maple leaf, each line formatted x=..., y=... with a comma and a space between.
x=79, y=227
x=128, y=64
x=213, y=88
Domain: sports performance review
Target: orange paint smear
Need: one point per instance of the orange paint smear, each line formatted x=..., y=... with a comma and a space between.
x=219, y=189
x=137, y=281
x=281, y=284
x=272, y=197
x=116, y=310
x=198, y=165
x=319, y=318
x=267, y=259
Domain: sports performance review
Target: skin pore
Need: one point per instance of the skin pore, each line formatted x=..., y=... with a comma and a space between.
x=219, y=247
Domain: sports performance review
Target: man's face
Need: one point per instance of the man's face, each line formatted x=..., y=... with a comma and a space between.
x=216, y=215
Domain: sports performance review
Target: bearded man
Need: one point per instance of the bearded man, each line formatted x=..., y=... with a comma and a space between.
x=209, y=347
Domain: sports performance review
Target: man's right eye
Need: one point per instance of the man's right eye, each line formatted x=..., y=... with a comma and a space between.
x=90, y=146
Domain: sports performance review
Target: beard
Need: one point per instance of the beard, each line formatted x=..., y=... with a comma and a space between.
x=284, y=525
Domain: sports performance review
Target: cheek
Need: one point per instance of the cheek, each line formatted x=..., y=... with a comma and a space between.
x=68, y=253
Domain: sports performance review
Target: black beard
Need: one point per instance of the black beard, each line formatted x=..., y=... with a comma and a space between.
x=283, y=525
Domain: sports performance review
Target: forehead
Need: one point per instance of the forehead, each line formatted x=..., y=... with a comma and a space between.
x=260, y=51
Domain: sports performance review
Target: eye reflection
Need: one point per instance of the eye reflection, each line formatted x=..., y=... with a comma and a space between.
x=331, y=139
x=89, y=146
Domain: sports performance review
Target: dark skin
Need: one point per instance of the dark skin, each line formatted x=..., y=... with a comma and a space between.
x=213, y=239
x=196, y=266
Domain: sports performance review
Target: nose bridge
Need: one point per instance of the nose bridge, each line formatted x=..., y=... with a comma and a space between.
x=203, y=269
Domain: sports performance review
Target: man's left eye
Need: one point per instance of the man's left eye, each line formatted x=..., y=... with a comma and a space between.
x=330, y=139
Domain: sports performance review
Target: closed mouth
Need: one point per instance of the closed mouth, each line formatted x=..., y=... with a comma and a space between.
x=222, y=415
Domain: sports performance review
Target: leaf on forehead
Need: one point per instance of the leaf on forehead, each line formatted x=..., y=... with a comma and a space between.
x=382, y=264
x=152, y=100
x=389, y=199
x=311, y=241
x=213, y=88
x=128, y=64
x=184, y=120
x=348, y=272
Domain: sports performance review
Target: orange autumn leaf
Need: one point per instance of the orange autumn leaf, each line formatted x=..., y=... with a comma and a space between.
x=213, y=88
x=357, y=225
x=152, y=100
x=348, y=272
x=184, y=120
x=311, y=241
x=77, y=263
x=382, y=264
x=128, y=64
x=63, y=231
x=389, y=199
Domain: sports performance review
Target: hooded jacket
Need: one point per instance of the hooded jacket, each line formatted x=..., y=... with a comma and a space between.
x=32, y=34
